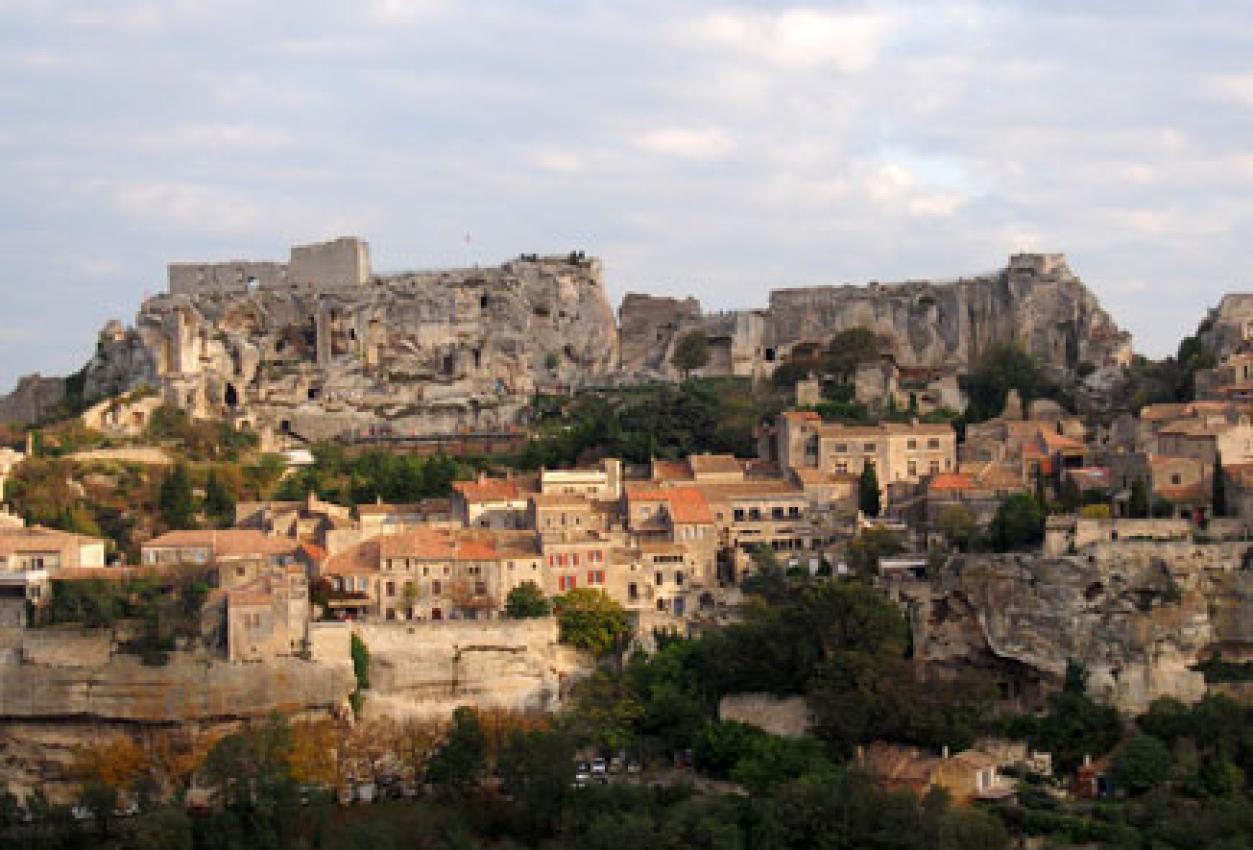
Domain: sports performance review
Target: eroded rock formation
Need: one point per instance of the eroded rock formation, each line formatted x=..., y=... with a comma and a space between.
x=1036, y=300
x=1138, y=616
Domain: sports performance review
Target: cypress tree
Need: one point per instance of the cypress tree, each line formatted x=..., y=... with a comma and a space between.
x=175, y=499
x=868, y=490
x=1220, y=487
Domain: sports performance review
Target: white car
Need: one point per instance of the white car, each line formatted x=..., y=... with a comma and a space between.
x=599, y=767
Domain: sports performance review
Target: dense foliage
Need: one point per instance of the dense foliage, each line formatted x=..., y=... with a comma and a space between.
x=1005, y=366
x=527, y=601
x=353, y=479
x=640, y=423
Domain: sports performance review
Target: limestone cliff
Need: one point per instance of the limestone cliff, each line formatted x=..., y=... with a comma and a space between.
x=424, y=352
x=1035, y=300
x=1139, y=616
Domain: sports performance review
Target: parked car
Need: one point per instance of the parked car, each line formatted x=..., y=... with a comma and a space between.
x=599, y=767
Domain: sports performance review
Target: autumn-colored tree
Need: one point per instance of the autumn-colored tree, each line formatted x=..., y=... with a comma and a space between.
x=313, y=753
x=117, y=763
x=415, y=741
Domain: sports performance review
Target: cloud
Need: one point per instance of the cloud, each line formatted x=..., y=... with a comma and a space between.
x=219, y=137
x=687, y=143
x=848, y=41
x=1233, y=88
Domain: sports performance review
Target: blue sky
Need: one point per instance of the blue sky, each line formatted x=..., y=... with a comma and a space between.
x=699, y=148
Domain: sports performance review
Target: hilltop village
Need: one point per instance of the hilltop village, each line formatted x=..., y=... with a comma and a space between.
x=360, y=499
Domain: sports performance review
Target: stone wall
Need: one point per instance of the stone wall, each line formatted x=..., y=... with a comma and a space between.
x=341, y=262
x=786, y=716
x=428, y=669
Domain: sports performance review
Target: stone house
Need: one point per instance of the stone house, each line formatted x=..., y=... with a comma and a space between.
x=382, y=518
x=126, y=416
x=601, y=483
x=310, y=520
x=268, y=617
x=899, y=451
x=968, y=776
x=978, y=487
x=499, y=504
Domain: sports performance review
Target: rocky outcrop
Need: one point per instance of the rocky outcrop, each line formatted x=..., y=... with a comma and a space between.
x=32, y=400
x=1138, y=616
x=1035, y=300
x=321, y=355
x=415, y=352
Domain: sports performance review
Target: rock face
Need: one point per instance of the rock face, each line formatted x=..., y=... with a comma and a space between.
x=417, y=352
x=320, y=347
x=1139, y=616
x=1228, y=325
x=34, y=397
x=1035, y=300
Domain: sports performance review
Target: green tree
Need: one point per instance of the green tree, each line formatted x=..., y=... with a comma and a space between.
x=1019, y=522
x=166, y=828
x=589, y=619
x=527, y=601
x=361, y=670
x=869, y=547
x=219, y=501
x=868, y=490
x=537, y=768
x=691, y=352
x=1004, y=366
x=458, y=765
x=848, y=349
x=1142, y=764
x=971, y=829
x=957, y=524
x=1139, y=504
x=1220, y=487
x=175, y=498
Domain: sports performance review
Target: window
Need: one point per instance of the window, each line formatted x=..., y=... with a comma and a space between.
x=841, y=448
x=933, y=443
x=678, y=577
x=794, y=511
x=595, y=577
x=565, y=583
x=480, y=588
x=739, y=514
x=391, y=588
x=776, y=513
x=911, y=444
x=934, y=466
x=1176, y=479
x=660, y=579
x=912, y=468
x=842, y=466
x=868, y=447
x=38, y=563
x=633, y=592
x=754, y=513
x=437, y=587
x=574, y=559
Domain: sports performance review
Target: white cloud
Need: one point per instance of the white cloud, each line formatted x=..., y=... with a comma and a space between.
x=687, y=143
x=800, y=37
x=219, y=137
x=1234, y=88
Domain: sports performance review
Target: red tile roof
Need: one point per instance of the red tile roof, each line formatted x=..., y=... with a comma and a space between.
x=489, y=490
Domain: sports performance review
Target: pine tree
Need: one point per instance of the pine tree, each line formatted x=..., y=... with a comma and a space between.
x=868, y=490
x=175, y=499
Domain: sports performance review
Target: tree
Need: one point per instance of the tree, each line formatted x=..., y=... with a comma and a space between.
x=361, y=670
x=175, y=498
x=219, y=501
x=868, y=490
x=1220, y=487
x=971, y=829
x=1139, y=505
x=458, y=765
x=866, y=550
x=957, y=524
x=1019, y=522
x=527, y=601
x=1004, y=366
x=1142, y=764
x=691, y=352
x=848, y=349
x=589, y=619
x=537, y=768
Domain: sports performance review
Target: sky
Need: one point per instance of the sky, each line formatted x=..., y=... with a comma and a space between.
x=703, y=148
